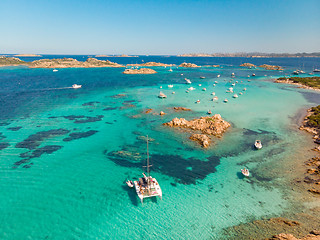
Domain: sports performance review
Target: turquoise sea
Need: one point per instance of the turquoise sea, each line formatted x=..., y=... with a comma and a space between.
x=66, y=153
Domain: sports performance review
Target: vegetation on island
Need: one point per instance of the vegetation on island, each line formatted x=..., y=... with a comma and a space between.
x=314, y=118
x=7, y=61
x=313, y=82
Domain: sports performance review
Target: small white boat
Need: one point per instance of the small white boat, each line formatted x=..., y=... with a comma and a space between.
x=215, y=98
x=215, y=82
x=232, y=74
x=258, y=144
x=214, y=85
x=160, y=87
x=191, y=88
x=240, y=93
x=162, y=95
x=236, y=81
x=202, y=77
x=170, y=86
x=235, y=96
x=187, y=91
x=76, y=86
x=181, y=74
x=204, y=89
x=200, y=85
x=244, y=89
x=218, y=75
x=226, y=100
x=248, y=76
x=209, y=112
x=230, y=90
x=129, y=183
x=213, y=93
x=316, y=70
x=55, y=70
x=187, y=81
x=170, y=70
x=245, y=172
x=173, y=92
x=233, y=84
x=198, y=101
x=253, y=74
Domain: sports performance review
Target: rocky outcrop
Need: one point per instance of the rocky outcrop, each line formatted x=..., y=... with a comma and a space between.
x=313, y=235
x=162, y=113
x=151, y=64
x=214, y=126
x=58, y=63
x=10, y=61
x=271, y=67
x=139, y=71
x=189, y=65
x=248, y=65
x=178, y=109
x=71, y=63
x=202, y=139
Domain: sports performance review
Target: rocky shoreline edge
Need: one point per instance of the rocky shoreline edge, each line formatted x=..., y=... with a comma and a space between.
x=295, y=81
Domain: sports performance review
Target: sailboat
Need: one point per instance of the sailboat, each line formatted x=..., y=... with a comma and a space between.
x=147, y=186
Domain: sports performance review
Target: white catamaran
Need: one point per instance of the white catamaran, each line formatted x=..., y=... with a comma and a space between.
x=147, y=186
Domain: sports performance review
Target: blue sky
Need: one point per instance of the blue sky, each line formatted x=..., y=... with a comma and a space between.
x=159, y=27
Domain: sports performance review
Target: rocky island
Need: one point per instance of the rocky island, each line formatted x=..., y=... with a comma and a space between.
x=271, y=67
x=248, y=65
x=139, y=71
x=151, y=64
x=188, y=65
x=202, y=128
x=58, y=63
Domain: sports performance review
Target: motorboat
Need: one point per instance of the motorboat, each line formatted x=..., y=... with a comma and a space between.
x=170, y=70
x=202, y=77
x=316, y=70
x=215, y=82
x=244, y=89
x=55, y=70
x=218, y=75
x=232, y=74
x=226, y=100
x=215, y=98
x=76, y=86
x=235, y=96
x=245, y=172
x=230, y=90
x=213, y=93
x=198, y=101
x=129, y=183
x=162, y=95
x=199, y=85
x=240, y=93
x=204, y=89
x=209, y=112
x=191, y=88
x=160, y=87
x=173, y=92
x=233, y=84
x=187, y=81
x=258, y=144
x=253, y=75
x=170, y=86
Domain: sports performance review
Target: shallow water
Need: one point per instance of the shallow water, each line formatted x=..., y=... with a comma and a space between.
x=61, y=176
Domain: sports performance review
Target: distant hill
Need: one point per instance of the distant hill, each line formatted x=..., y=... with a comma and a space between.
x=252, y=55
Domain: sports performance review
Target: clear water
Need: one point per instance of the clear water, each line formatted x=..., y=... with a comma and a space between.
x=60, y=177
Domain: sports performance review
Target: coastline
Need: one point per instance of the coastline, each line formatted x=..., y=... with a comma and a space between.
x=299, y=85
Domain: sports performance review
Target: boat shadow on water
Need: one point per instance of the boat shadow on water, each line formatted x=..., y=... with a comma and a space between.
x=131, y=193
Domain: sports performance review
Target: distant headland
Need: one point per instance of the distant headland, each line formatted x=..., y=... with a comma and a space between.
x=251, y=55
x=27, y=55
